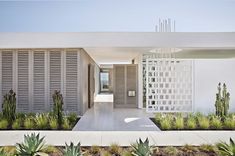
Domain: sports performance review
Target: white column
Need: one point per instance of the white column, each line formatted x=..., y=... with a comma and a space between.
x=140, y=82
x=15, y=74
x=31, y=80
x=63, y=76
x=79, y=87
x=47, y=78
x=0, y=79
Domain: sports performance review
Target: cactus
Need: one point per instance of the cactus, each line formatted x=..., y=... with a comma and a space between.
x=222, y=101
x=58, y=107
x=9, y=106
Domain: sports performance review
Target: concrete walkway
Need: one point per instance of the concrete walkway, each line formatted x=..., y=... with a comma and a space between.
x=123, y=138
x=103, y=117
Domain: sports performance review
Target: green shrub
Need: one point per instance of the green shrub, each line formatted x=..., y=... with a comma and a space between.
x=189, y=150
x=142, y=148
x=16, y=124
x=226, y=149
x=95, y=150
x=204, y=123
x=207, y=148
x=65, y=124
x=216, y=123
x=9, y=106
x=166, y=122
x=126, y=153
x=41, y=121
x=3, y=124
x=172, y=151
x=2, y=152
x=9, y=150
x=51, y=150
x=199, y=115
x=115, y=149
x=72, y=150
x=20, y=116
x=191, y=123
x=58, y=107
x=158, y=117
x=179, y=123
x=53, y=123
x=229, y=123
x=106, y=153
x=31, y=146
x=72, y=117
x=29, y=123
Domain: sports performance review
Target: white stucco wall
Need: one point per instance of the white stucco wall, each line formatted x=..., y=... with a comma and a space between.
x=208, y=73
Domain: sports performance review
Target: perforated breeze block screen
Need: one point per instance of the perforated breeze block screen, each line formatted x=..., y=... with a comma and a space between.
x=169, y=85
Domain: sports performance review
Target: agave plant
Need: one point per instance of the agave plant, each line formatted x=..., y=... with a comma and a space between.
x=142, y=148
x=31, y=146
x=226, y=149
x=72, y=150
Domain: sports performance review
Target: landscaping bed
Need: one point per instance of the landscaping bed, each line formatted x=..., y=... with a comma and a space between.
x=115, y=150
x=39, y=121
x=57, y=119
x=35, y=145
x=197, y=121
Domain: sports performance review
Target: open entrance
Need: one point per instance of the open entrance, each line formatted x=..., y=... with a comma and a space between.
x=106, y=80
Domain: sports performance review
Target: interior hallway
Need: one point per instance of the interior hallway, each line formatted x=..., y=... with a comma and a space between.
x=103, y=117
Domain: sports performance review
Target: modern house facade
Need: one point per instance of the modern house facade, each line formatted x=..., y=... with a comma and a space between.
x=159, y=72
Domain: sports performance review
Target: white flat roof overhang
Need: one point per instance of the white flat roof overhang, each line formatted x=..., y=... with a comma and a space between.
x=205, y=40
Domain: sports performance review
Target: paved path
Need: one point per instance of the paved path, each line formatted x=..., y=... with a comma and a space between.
x=123, y=138
x=103, y=117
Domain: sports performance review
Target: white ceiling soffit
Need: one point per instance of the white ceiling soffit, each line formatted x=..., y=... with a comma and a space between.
x=118, y=39
x=125, y=55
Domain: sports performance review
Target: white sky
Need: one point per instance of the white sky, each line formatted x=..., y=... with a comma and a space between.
x=116, y=15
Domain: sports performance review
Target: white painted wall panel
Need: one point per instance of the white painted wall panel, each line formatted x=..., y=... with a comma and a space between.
x=208, y=73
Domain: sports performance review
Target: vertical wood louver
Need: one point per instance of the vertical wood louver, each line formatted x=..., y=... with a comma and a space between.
x=120, y=86
x=39, y=81
x=0, y=79
x=34, y=74
x=55, y=73
x=71, y=81
x=7, y=71
x=23, y=79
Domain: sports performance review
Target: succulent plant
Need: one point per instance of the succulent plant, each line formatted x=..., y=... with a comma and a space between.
x=142, y=148
x=222, y=101
x=9, y=106
x=33, y=144
x=72, y=150
x=226, y=149
x=58, y=107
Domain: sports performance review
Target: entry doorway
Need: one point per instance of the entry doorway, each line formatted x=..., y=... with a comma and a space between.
x=106, y=80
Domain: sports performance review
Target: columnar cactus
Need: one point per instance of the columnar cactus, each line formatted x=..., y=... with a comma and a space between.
x=222, y=101
x=58, y=107
x=9, y=106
